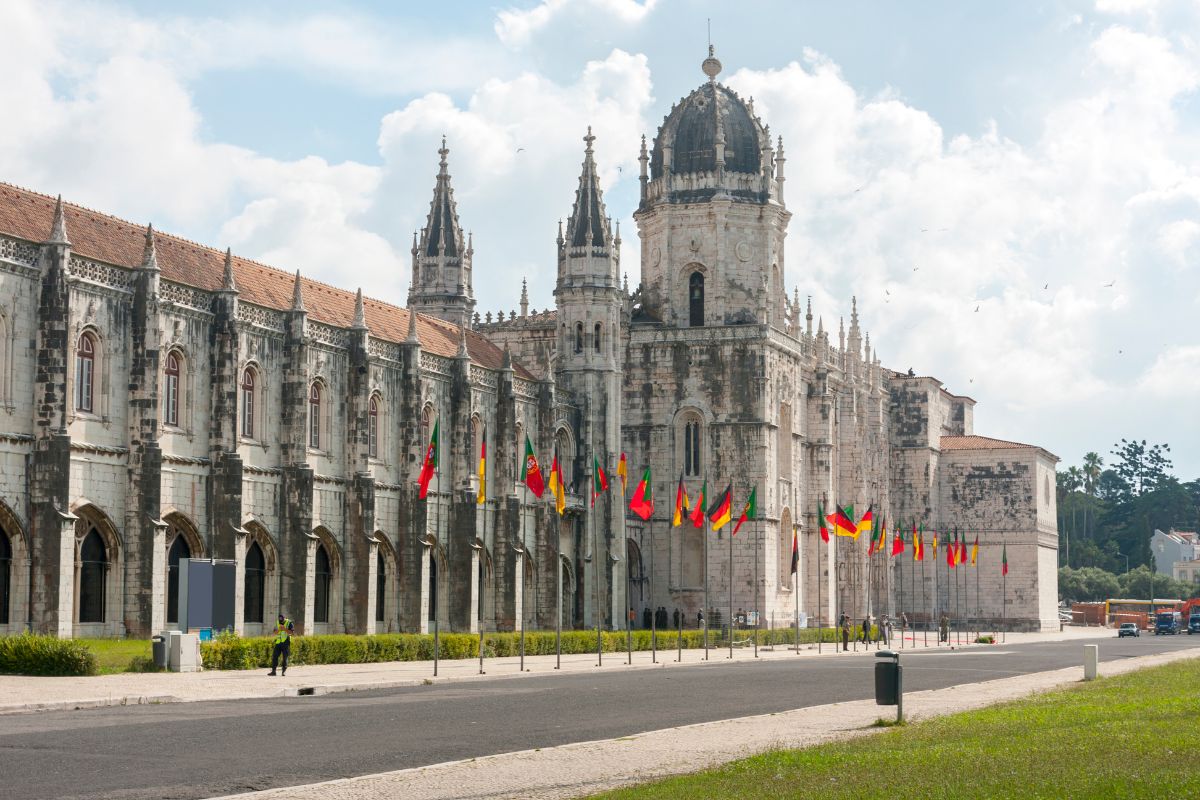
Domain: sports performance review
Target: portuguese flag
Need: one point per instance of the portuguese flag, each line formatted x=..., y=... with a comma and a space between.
x=822, y=523
x=749, y=511
x=429, y=467
x=897, y=542
x=599, y=479
x=962, y=549
x=681, y=504
x=642, y=503
x=719, y=511
x=1004, y=560
x=531, y=475
x=952, y=551
x=697, y=515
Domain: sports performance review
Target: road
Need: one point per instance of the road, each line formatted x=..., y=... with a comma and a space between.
x=196, y=750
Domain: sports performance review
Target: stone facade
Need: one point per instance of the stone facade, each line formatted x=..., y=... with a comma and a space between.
x=162, y=400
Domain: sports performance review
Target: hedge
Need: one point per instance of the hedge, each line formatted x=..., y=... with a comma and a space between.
x=233, y=652
x=30, y=654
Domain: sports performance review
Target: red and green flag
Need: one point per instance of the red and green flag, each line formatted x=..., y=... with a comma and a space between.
x=531, y=474
x=1004, y=560
x=749, y=511
x=642, y=503
x=719, y=513
x=697, y=515
x=822, y=523
x=430, y=465
x=599, y=479
x=897, y=541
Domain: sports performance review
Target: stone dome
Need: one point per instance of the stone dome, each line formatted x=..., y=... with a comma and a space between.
x=690, y=130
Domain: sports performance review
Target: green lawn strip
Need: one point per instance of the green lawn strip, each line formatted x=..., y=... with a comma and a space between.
x=116, y=655
x=1130, y=736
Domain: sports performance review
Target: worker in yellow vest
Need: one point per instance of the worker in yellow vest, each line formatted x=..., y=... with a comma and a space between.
x=283, y=643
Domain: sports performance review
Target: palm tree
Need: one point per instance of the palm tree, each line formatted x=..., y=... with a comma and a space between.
x=1092, y=466
x=1073, y=482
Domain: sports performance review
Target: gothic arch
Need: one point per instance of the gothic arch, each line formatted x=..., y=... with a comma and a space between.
x=14, y=572
x=693, y=298
x=99, y=580
x=260, y=584
x=257, y=394
x=386, y=612
x=377, y=427
x=784, y=546
x=325, y=564
x=689, y=428
x=319, y=403
x=88, y=393
x=175, y=380
x=182, y=541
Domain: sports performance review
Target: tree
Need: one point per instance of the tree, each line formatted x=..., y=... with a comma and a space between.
x=1092, y=467
x=1141, y=466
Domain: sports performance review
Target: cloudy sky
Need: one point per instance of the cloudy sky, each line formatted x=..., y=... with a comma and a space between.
x=1011, y=190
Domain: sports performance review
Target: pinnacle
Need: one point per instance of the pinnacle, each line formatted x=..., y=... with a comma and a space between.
x=229, y=284
x=297, y=294
x=58, y=231
x=412, y=337
x=360, y=311
x=149, y=254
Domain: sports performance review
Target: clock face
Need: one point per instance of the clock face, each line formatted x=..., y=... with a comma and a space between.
x=743, y=251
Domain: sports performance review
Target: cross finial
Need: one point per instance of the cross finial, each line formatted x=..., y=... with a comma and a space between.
x=443, y=151
x=589, y=139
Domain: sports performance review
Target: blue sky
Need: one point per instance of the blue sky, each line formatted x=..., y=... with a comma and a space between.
x=1034, y=161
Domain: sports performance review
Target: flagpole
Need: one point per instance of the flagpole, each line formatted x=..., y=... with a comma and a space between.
x=653, y=611
x=958, y=603
x=437, y=533
x=900, y=593
x=628, y=608
x=730, y=623
x=924, y=588
x=482, y=550
x=524, y=571
x=796, y=585
x=704, y=514
x=978, y=608
x=757, y=612
x=820, y=605
x=1004, y=597
x=596, y=563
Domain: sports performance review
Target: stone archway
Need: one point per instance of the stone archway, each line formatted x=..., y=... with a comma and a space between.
x=182, y=541
x=14, y=571
x=99, y=575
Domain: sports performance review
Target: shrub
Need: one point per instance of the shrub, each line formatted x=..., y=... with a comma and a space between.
x=989, y=639
x=30, y=654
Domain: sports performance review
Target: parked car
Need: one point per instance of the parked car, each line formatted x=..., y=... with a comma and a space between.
x=1128, y=629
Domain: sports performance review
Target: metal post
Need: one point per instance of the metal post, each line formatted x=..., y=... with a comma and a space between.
x=437, y=537
x=653, y=610
x=524, y=565
x=704, y=515
x=596, y=568
x=796, y=588
x=820, y=605
x=730, y=623
x=479, y=606
x=628, y=608
x=757, y=612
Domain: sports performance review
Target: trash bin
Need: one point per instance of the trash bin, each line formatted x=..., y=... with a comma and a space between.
x=887, y=678
x=158, y=647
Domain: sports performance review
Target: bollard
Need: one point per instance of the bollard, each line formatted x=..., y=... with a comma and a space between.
x=1091, y=662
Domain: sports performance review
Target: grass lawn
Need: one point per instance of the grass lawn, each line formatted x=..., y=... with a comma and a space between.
x=115, y=655
x=1132, y=736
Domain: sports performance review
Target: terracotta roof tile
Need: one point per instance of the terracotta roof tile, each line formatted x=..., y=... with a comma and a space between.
x=980, y=443
x=29, y=215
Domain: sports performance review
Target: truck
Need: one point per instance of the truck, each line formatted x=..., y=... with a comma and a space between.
x=1167, y=622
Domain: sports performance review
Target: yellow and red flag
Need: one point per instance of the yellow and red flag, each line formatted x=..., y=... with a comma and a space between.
x=623, y=473
x=918, y=542
x=719, y=513
x=697, y=515
x=681, y=504
x=556, y=484
x=482, y=496
x=975, y=552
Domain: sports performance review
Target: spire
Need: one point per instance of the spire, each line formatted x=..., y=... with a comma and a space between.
x=442, y=235
x=808, y=316
x=441, y=285
x=588, y=226
x=463, y=352
x=412, y=337
x=360, y=312
x=149, y=254
x=297, y=294
x=524, y=299
x=506, y=361
x=853, y=315
x=643, y=160
x=58, y=231
x=228, y=284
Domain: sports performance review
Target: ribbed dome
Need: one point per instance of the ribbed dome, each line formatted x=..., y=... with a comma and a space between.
x=690, y=130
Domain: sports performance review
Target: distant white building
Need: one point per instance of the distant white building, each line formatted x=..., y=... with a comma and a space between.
x=1173, y=546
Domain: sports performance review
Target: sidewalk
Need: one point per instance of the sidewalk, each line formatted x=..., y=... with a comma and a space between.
x=20, y=693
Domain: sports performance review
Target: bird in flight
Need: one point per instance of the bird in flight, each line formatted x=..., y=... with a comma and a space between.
x=1047, y=286
x=976, y=309
x=520, y=149
x=1109, y=285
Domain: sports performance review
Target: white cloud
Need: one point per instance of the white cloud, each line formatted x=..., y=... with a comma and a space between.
x=1125, y=6
x=516, y=27
x=1175, y=374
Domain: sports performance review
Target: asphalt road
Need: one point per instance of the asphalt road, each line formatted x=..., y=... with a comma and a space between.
x=196, y=750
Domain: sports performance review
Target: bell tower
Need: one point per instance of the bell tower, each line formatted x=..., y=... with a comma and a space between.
x=441, y=276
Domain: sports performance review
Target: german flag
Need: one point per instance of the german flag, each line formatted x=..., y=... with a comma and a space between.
x=719, y=512
x=749, y=512
x=822, y=523
x=642, y=503
x=430, y=465
x=697, y=515
x=482, y=496
x=842, y=520
x=531, y=474
x=867, y=522
x=681, y=504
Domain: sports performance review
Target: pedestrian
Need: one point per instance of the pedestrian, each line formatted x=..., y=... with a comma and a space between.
x=866, y=630
x=844, y=624
x=944, y=629
x=885, y=630
x=903, y=623
x=632, y=618
x=662, y=617
x=675, y=618
x=699, y=618
x=646, y=619
x=283, y=643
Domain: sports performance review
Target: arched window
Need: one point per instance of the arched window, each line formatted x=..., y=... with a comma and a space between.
x=578, y=337
x=373, y=427
x=314, y=416
x=85, y=372
x=93, y=577
x=324, y=580
x=696, y=300
x=691, y=447
x=171, y=395
x=5, y=576
x=179, y=550
x=380, y=586
x=596, y=340
x=256, y=579
x=248, y=405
